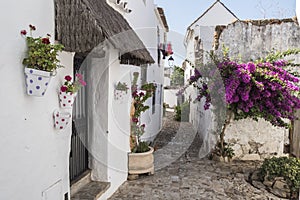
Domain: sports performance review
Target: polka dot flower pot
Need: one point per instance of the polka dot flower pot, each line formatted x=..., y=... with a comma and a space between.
x=37, y=81
x=66, y=99
x=61, y=119
x=119, y=95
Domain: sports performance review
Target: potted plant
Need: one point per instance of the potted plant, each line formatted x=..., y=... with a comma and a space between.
x=41, y=62
x=69, y=89
x=140, y=160
x=120, y=91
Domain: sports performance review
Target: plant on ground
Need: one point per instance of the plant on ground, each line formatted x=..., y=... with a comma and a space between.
x=139, y=99
x=286, y=167
x=182, y=111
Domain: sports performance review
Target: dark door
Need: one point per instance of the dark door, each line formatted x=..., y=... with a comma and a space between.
x=79, y=154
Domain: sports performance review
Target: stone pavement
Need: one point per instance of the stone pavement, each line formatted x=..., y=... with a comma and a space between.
x=183, y=176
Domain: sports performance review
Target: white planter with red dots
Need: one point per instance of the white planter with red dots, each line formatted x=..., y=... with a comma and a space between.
x=119, y=95
x=66, y=99
x=37, y=81
x=61, y=119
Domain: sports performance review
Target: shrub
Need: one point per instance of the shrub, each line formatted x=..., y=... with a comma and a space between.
x=286, y=167
x=182, y=111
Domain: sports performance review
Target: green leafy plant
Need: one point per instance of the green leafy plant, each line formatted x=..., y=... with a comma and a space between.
x=286, y=167
x=177, y=78
x=182, y=111
x=224, y=150
x=41, y=54
x=122, y=86
x=252, y=89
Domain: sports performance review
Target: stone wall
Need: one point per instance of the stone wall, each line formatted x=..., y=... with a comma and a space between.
x=249, y=40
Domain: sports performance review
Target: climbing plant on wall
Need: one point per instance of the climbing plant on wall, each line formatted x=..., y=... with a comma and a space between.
x=264, y=88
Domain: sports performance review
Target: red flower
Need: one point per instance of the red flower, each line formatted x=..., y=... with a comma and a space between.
x=45, y=40
x=63, y=88
x=142, y=94
x=136, y=120
x=68, y=78
x=143, y=125
x=32, y=27
x=23, y=32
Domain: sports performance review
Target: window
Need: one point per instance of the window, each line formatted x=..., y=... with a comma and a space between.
x=144, y=74
x=153, y=102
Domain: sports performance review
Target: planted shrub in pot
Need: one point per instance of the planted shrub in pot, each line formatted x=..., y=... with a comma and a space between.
x=140, y=160
x=41, y=62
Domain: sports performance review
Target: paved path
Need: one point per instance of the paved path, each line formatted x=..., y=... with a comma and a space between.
x=181, y=175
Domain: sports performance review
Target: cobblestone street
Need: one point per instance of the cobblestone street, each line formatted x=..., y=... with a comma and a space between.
x=180, y=174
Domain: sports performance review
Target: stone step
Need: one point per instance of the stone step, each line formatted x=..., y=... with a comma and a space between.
x=91, y=191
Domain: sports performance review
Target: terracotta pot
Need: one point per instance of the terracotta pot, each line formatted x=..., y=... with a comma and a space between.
x=141, y=163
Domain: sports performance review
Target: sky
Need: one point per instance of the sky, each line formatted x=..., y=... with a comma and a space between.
x=181, y=13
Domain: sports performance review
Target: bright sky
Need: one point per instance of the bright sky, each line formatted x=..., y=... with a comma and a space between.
x=181, y=13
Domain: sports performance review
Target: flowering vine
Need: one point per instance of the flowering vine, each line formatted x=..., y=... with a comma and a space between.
x=264, y=88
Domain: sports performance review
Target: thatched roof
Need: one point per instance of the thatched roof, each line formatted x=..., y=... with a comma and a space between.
x=81, y=25
x=163, y=17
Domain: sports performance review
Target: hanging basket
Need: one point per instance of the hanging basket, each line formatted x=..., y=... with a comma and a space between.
x=66, y=99
x=36, y=81
x=61, y=119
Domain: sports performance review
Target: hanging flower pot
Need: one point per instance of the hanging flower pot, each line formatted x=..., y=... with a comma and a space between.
x=36, y=81
x=69, y=89
x=61, y=119
x=41, y=60
x=120, y=91
x=66, y=99
x=119, y=95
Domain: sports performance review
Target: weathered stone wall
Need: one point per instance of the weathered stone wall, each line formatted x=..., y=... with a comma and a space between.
x=253, y=39
x=250, y=40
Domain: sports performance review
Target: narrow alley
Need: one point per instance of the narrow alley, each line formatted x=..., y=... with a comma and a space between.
x=189, y=177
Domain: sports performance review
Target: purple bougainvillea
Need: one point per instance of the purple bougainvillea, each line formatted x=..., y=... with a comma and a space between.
x=254, y=89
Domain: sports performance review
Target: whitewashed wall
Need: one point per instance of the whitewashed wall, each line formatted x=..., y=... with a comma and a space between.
x=204, y=29
x=34, y=155
x=251, y=42
x=144, y=19
x=109, y=121
x=170, y=97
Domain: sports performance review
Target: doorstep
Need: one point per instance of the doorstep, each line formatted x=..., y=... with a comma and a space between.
x=86, y=189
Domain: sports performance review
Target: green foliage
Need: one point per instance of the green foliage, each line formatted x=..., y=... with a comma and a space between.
x=139, y=99
x=177, y=77
x=224, y=150
x=286, y=167
x=141, y=147
x=122, y=86
x=274, y=56
x=41, y=54
x=182, y=111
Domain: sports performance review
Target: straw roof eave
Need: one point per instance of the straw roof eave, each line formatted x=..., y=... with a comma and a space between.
x=81, y=25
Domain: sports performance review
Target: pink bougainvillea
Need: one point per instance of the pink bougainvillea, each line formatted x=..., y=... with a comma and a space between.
x=262, y=89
